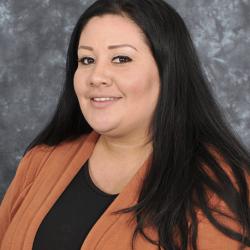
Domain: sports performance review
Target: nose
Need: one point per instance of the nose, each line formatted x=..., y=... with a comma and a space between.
x=100, y=75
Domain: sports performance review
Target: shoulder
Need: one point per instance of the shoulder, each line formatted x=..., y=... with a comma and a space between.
x=230, y=178
x=44, y=149
x=226, y=171
x=33, y=160
x=227, y=181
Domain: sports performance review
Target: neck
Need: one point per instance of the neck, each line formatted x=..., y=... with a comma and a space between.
x=125, y=150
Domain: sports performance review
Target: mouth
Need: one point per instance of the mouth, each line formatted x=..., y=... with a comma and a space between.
x=101, y=103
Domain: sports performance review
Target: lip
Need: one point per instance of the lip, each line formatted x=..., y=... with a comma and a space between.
x=104, y=104
x=96, y=95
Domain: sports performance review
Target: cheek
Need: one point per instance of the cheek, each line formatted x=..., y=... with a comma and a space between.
x=133, y=84
x=143, y=82
x=143, y=87
x=78, y=83
x=75, y=81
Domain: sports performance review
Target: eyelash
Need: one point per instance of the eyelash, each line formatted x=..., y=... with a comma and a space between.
x=81, y=60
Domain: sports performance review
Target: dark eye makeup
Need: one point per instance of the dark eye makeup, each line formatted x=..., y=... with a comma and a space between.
x=123, y=59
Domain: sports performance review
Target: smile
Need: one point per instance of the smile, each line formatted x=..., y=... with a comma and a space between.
x=101, y=103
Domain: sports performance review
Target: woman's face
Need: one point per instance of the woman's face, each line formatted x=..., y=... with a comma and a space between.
x=114, y=61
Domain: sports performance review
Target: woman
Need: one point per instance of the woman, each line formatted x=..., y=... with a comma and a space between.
x=138, y=154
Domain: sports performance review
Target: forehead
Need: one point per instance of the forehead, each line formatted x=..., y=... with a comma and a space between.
x=111, y=29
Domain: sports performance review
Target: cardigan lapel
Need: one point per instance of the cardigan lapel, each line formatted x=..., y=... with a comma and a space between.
x=58, y=171
x=48, y=194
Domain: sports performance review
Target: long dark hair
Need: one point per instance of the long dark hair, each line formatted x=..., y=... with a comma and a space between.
x=186, y=125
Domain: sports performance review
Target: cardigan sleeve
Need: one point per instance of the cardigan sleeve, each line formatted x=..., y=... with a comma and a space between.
x=18, y=188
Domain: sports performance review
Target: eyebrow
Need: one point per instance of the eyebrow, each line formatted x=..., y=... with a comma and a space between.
x=109, y=47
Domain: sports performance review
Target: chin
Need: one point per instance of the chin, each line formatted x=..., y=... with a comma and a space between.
x=102, y=129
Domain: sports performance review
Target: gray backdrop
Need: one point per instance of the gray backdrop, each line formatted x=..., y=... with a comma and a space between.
x=34, y=36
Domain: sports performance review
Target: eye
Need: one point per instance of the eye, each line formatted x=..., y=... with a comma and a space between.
x=86, y=60
x=123, y=59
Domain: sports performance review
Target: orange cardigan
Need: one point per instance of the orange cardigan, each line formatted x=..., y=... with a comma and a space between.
x=41, y=177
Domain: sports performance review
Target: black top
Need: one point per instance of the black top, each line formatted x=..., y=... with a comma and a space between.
x=75, y=212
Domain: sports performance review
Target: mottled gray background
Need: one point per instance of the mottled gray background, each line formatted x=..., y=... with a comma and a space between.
x=34, y=36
